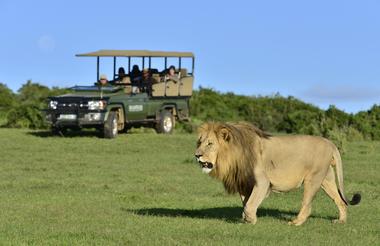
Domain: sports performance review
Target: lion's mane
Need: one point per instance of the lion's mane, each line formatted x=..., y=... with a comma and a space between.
x=239, y=148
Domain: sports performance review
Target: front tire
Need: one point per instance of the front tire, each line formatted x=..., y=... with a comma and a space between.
x=58, y=131
x=110, y=126
x=166, y=123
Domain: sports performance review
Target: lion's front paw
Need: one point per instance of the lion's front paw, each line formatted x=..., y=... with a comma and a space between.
x=249, y=218
x=296, y=222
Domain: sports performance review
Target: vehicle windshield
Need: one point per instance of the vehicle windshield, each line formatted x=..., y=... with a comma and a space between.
x=92, y=88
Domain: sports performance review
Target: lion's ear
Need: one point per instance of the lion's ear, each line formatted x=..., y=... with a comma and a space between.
x=225, y=134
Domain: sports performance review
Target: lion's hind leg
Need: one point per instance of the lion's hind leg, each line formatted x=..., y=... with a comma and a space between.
x=311, y=186
x=329, y=186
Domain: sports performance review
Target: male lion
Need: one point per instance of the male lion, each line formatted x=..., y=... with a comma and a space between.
x=253, y=163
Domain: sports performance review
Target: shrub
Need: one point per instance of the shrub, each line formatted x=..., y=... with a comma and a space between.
x=31, y=100
x=279, y=114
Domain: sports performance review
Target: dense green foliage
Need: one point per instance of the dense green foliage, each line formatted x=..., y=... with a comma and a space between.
x=286, y=114
x=271, y=113
x=145, y=189
x=7, y=102
x=24, y=109
x=7, y=98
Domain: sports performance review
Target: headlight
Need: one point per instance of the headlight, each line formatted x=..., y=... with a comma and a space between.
x=53, y=104
x=96, y=105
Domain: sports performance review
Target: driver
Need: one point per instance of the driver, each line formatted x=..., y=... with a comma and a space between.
x=103, y=80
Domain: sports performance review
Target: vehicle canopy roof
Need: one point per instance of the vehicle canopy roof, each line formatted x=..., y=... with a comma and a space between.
x=137, y=53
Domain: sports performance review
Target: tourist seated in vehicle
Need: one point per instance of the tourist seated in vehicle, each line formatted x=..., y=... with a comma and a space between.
x=171, y=75
x=121, y=73
x=146, y=81
x=135, y=74
x=135, y=88
x=122, y=78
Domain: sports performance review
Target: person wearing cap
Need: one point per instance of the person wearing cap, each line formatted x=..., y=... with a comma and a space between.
x=102, y=83
x=103, y=80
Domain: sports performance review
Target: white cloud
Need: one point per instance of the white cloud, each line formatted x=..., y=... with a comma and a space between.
x=342, y=93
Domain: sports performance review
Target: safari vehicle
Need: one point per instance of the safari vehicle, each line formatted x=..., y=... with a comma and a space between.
x=158, y=102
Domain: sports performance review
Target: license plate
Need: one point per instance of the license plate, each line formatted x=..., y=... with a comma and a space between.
x=67, y=117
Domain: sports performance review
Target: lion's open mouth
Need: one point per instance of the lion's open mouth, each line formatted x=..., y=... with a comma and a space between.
x=206, y=166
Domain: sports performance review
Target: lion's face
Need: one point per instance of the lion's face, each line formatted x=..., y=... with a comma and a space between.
x=207, y=150
x=208, y=146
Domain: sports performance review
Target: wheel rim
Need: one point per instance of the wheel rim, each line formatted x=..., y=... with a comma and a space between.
x=114, y=126
x=168, y=124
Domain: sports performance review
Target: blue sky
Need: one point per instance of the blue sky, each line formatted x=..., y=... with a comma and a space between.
x=323, y=52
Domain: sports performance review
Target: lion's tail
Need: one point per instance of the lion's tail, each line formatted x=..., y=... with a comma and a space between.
x=339, y=172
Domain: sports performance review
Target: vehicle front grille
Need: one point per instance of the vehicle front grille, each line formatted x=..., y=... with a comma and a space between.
x=71, y=105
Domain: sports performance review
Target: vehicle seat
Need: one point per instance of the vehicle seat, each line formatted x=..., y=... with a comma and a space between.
x=126, y=80
x=183, y=72
x=186, y=86
x=158, y=87
x=156, y=78
x=172, y=88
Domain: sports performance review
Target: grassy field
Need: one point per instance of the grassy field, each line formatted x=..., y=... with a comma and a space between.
x=146, y=189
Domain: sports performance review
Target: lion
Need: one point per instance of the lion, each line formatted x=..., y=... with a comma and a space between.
x=254, y=163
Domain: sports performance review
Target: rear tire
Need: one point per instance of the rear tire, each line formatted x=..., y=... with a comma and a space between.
x=110, y=126
x=166, y=123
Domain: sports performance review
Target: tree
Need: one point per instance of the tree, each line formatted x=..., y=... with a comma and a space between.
x=32, y=100
x=7, y=98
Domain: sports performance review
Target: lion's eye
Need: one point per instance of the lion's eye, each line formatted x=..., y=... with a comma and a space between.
x=209, y=144
x=199, y=142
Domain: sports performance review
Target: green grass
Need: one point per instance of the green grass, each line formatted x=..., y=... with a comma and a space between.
x=145, y=189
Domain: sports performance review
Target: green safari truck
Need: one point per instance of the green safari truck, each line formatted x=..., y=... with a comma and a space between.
x=137, y=94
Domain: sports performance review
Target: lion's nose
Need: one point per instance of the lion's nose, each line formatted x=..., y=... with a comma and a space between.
x=197, y=155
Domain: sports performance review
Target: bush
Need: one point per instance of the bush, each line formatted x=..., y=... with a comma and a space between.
x=188, y=126
x=338, y=137
x=279, y=114
x=7, y=102
x=7, y=98
x=30, y=101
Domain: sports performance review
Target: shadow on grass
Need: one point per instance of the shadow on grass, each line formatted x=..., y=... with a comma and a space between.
x=69, y=134
x=229, y=214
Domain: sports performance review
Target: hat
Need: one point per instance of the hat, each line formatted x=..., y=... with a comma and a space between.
x=103, y=76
